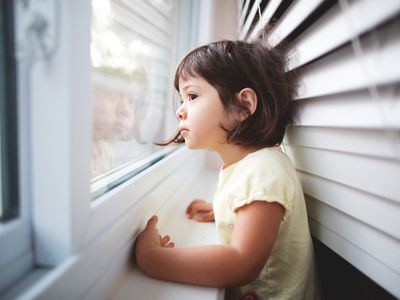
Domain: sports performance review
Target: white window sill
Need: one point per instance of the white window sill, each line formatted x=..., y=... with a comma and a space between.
x=184, y=233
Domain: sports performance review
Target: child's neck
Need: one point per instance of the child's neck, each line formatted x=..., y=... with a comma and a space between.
x=231, y=154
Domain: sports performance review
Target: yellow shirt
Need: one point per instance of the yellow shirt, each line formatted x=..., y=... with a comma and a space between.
x=269, y=175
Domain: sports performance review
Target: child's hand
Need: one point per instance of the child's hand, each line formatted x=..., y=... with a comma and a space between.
x=200, y=210
x=149, y=239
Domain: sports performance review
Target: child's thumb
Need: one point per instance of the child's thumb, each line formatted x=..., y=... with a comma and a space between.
x=152, y=222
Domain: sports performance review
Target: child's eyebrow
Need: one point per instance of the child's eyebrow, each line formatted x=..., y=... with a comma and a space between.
x=187, y=86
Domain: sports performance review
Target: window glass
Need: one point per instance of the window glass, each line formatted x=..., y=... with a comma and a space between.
x=8, y=120
x=131, y=50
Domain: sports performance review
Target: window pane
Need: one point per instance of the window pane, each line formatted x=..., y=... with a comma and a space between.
x=131, y=53
x=8, y=116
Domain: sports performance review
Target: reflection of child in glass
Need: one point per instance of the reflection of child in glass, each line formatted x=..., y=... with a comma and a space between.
x=237, y=101
x=104, y=119
x=115, y=119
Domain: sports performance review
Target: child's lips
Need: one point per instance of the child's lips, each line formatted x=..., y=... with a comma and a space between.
x=183, y=130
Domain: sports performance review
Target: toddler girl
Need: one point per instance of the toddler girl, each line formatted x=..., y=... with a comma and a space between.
x=237, y=100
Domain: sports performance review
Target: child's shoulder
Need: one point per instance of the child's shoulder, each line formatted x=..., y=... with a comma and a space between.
x=266, y=162
x=267, y=157
x=267, y=172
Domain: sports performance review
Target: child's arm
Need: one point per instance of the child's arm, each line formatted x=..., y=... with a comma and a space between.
x=256, y=228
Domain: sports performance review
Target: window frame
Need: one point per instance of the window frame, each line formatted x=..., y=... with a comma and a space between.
x=60, y=227
x=15, y=247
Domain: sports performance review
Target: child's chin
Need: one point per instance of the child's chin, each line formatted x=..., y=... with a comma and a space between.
x=193, y=146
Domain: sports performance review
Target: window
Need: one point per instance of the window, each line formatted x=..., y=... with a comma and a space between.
x=8, y=121
x=59, y=231
x=131, y=66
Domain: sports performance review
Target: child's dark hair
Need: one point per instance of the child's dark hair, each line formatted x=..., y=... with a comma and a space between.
x=230, y=66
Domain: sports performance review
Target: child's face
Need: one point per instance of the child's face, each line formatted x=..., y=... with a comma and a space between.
x=201, y=115
x=113, y=117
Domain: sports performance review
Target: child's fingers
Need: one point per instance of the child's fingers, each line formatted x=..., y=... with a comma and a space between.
x=190, y=206
x=164, y=240
x=208, y=217
x=169, y=245
x=202, y=207
x=193, y=203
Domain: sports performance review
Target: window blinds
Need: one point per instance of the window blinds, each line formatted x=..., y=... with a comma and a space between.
x=346, y=140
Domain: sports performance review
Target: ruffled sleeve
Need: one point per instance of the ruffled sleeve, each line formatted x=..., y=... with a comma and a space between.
x=263, y=179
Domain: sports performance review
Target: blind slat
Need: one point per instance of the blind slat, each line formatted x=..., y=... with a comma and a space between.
x=336, y=28
x=373, y=211
x=376, y=245
x=244, y=12
x=378, y=143
x=265, y=17
x=249, y=20
x=295, y=14
x=352, y=170
x=344, y=71
x=351, y=110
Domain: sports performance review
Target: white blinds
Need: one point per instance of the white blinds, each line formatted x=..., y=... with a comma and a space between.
x=346, y=140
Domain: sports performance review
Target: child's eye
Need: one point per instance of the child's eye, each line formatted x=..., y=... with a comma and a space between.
x=192, y=97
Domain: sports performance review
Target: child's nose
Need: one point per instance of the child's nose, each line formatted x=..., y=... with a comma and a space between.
x=181, y=113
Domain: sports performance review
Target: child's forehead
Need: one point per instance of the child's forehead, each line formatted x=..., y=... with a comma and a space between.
x=188, y=81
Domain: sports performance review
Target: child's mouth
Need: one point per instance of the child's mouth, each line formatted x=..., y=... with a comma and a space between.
x=184, y=131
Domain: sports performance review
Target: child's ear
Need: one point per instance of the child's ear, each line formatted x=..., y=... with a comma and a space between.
x=249, y=98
